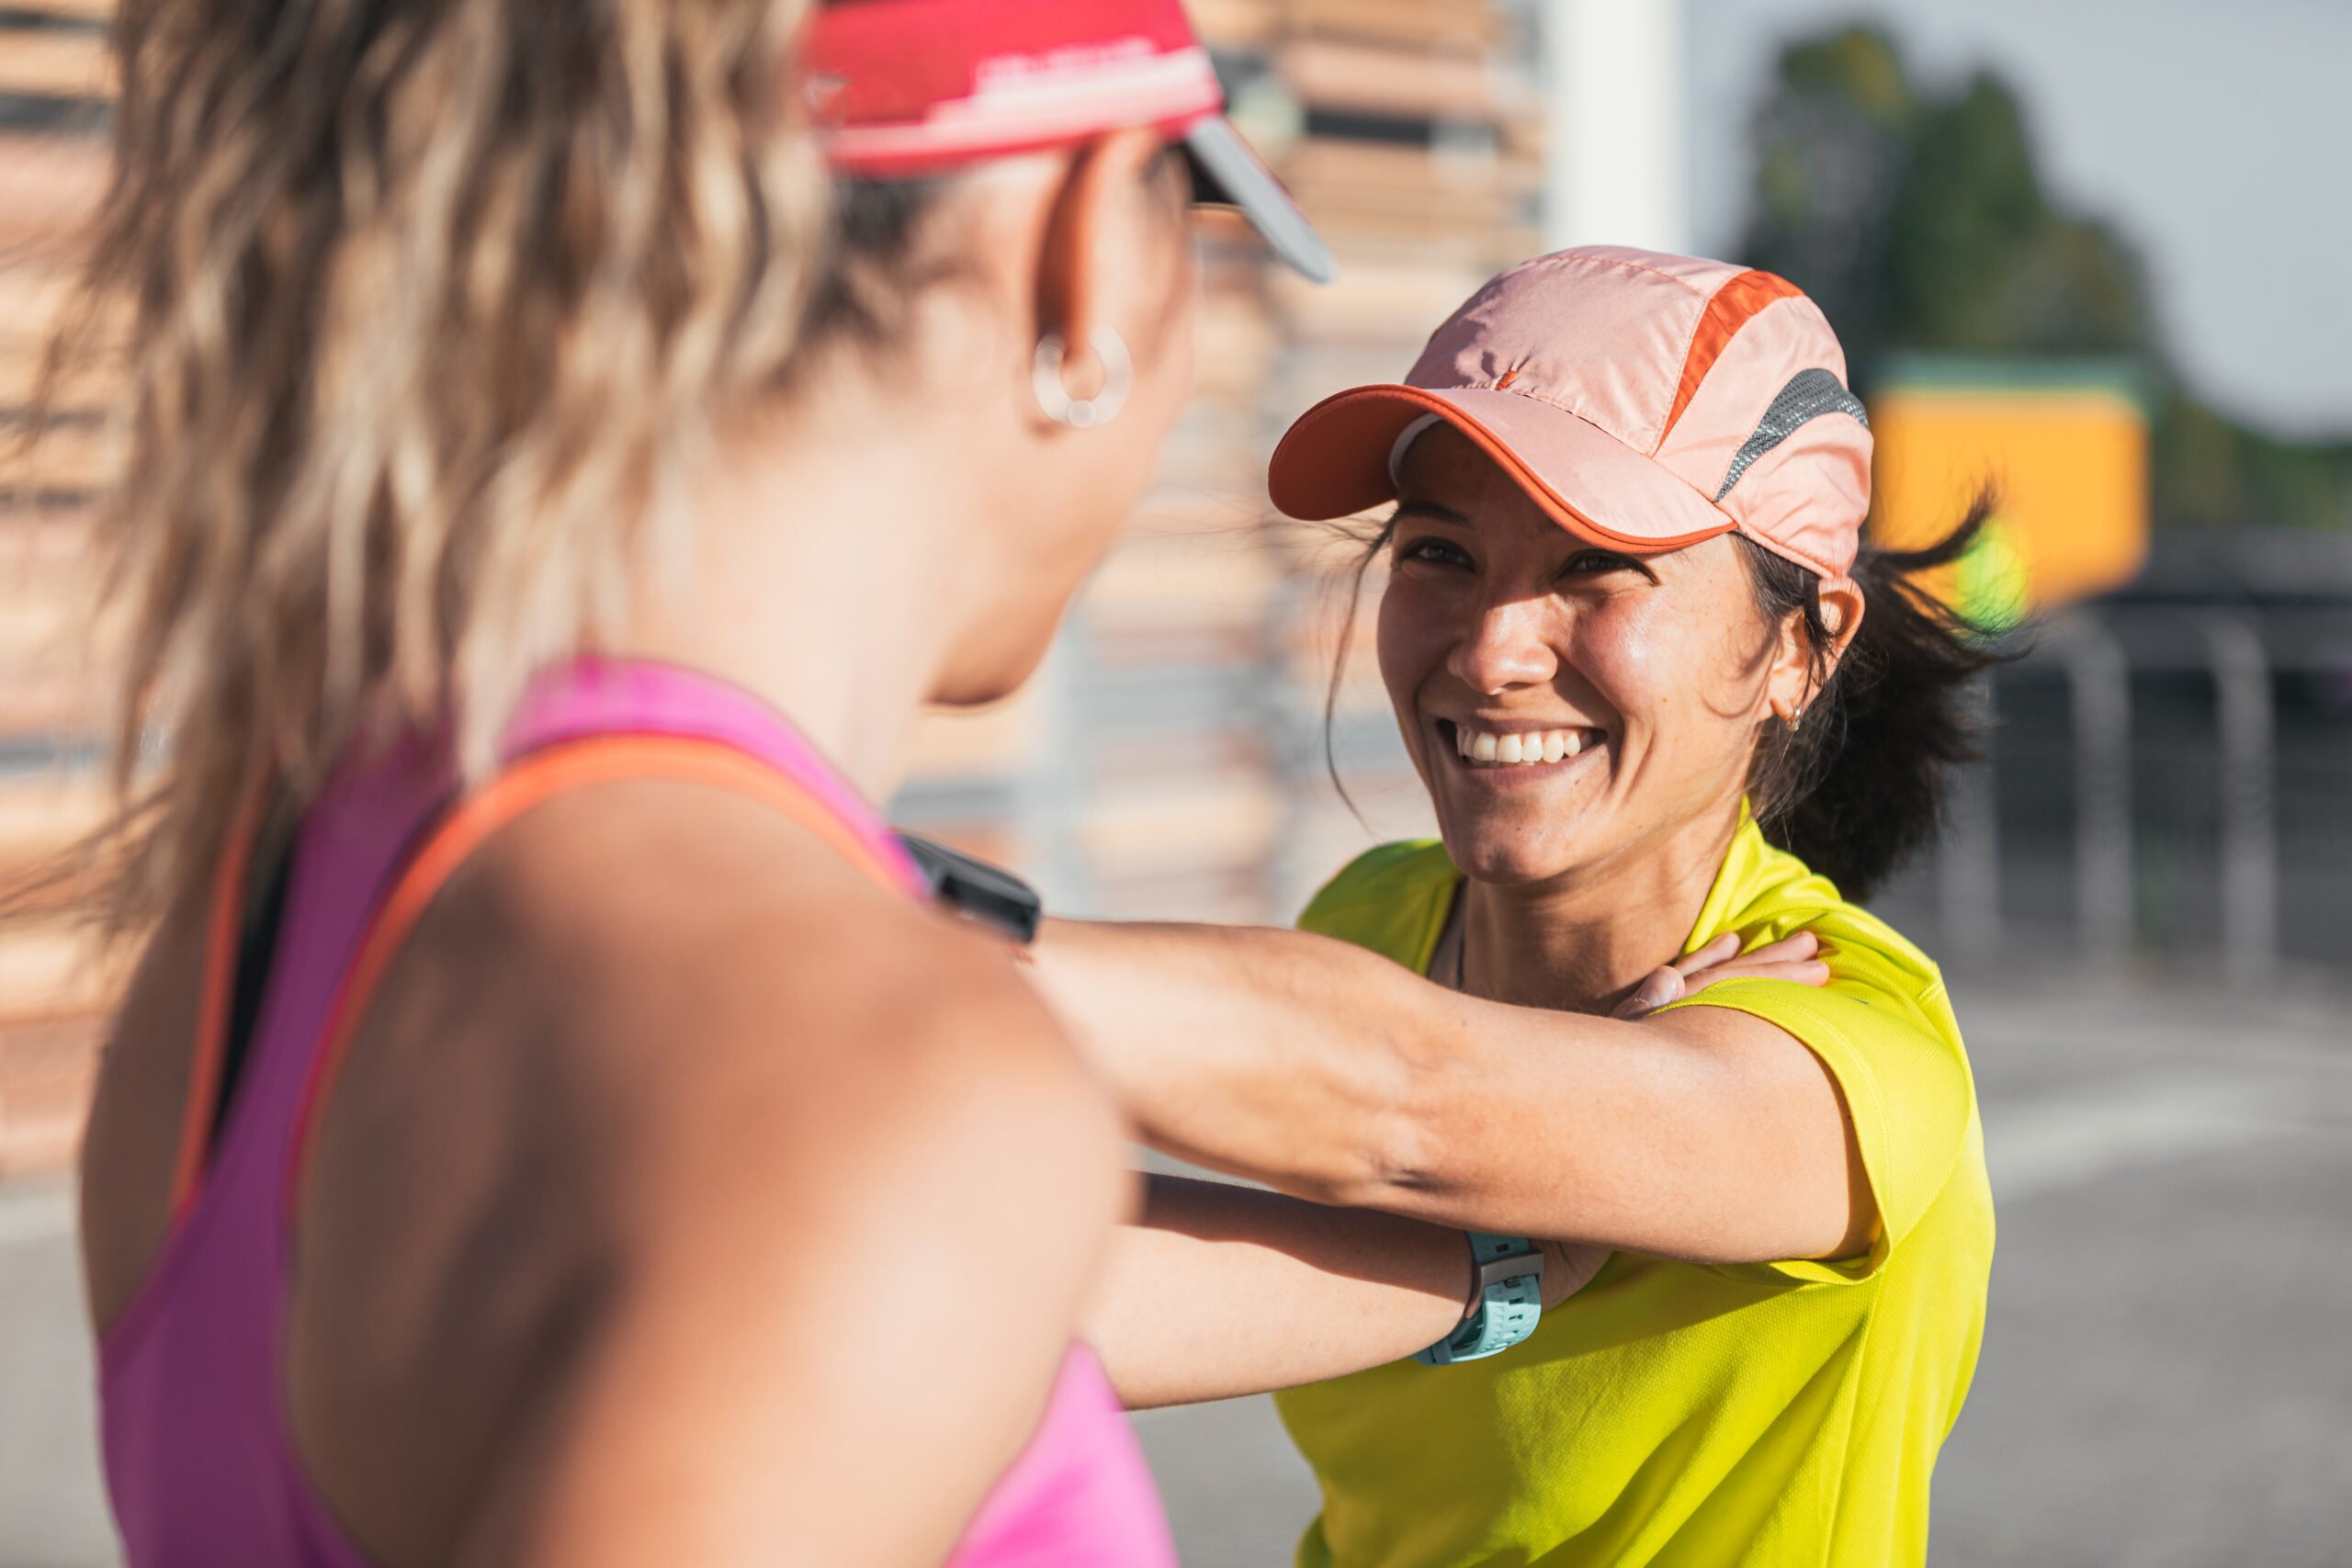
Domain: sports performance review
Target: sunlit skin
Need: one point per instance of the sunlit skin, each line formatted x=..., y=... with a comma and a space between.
x=661, y=1059
x=1583, y=870
x=939, y=521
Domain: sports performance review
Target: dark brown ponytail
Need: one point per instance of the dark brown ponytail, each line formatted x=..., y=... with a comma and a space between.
x=1857, y=784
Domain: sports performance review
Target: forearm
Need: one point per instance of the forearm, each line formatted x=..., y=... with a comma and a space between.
x=1223, y=1291
x=1286, y=1058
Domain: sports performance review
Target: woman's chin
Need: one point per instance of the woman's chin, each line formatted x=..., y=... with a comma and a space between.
x=995, y=673
x=1503, y=858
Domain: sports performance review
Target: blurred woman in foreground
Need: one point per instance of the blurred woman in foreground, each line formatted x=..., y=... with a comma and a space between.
x=545, y=1120
x=1667, y=706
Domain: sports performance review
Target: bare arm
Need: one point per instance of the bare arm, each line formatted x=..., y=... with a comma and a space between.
x=1328, y=1072
x=1223, y=1291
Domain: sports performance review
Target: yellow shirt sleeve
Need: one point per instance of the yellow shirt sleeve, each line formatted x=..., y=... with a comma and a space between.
x=1888, y=1038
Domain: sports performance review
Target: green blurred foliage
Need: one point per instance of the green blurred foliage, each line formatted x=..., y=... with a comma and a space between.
x=1919, y=223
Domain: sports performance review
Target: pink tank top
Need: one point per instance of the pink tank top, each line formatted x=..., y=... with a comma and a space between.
x=201, y=1461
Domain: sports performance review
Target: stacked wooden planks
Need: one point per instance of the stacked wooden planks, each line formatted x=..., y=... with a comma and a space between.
x=53, y=992
x=1170, y=761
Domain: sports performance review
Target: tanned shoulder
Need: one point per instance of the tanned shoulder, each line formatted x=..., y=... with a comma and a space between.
x=669, y=1079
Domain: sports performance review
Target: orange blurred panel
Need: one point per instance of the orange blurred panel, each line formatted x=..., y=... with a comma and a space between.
x=2071, y=464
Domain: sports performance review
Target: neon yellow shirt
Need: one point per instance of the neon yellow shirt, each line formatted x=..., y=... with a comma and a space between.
x=1673, y=1412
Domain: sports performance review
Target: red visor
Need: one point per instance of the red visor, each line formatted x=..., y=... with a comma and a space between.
x=904, y=88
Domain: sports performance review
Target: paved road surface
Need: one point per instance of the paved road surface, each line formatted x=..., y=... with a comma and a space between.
x=2167, y=1376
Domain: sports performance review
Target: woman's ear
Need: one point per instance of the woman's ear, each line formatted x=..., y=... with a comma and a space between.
x=1797, y=677
x=1842, y=607
x=1090, y=259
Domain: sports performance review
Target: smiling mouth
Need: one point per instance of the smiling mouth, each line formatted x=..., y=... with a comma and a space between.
x=1482, y=750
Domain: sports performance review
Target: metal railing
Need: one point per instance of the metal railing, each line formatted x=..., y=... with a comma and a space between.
x=2098, y=655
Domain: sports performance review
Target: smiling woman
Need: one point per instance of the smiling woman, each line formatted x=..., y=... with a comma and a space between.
x=1708, y=1124
x=1642, y=698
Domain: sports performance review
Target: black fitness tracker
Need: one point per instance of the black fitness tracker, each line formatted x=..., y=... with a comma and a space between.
x=976, y=890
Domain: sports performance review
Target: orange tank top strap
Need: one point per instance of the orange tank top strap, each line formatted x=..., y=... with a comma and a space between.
x=528, y=782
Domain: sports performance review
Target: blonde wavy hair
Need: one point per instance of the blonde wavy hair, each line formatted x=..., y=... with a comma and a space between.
x=426, y=304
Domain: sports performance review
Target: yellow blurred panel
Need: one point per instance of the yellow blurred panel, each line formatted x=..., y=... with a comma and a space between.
x=2071, y=464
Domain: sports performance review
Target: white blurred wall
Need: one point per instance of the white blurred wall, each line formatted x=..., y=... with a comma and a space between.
x=1615, y=77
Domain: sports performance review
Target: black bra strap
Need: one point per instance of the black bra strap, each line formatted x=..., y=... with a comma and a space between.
x=257, y=933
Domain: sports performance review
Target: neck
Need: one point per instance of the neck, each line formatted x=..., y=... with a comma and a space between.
x=1581, y=941
x=823, y=561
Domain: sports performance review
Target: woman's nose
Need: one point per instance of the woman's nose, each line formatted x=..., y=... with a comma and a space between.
x=1508, y=646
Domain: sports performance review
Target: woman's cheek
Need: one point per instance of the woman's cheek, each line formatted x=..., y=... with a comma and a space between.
x=1409, y=641
x=1616, y=649
x=1668, y=676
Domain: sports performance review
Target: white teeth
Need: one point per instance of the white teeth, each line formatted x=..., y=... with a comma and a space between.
x=1521, y=748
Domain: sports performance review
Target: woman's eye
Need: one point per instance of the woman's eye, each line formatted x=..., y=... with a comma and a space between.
x=1586, y=563
x=1435, y=550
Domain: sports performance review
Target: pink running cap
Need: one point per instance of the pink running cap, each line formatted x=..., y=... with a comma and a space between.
x=905, y=88
x=1647, y=402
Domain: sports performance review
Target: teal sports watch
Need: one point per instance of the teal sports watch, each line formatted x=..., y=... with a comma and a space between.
x=1510, y=1301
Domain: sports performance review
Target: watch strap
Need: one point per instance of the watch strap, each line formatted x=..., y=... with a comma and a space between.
x=1510, y=1301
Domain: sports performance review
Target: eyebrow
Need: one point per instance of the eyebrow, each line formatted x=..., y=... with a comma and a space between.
x=1437, y=510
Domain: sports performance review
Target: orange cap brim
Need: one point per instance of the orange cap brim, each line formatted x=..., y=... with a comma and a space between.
x=1333, y=462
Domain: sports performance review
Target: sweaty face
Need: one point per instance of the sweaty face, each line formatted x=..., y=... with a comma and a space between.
x=1566, y=704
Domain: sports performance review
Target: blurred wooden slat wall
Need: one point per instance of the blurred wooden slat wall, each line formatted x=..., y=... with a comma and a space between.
x=54, y=80
x=1170, y=762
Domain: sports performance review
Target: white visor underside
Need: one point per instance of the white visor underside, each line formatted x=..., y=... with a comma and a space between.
x=1404, y=439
